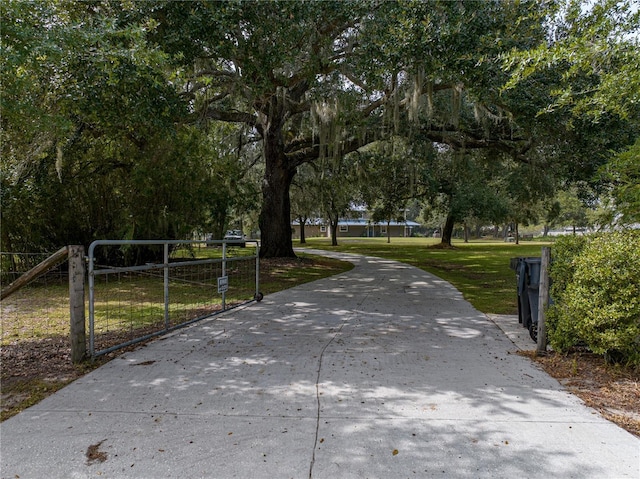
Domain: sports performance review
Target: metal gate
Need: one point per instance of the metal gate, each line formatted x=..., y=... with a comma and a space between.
x=193, y=280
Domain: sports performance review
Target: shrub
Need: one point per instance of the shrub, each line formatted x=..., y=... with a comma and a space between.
x=561, y=327
x=596, y=292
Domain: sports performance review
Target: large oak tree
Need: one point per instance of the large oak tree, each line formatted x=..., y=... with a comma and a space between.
x=316, y=79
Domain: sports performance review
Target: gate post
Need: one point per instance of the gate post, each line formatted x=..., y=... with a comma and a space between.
x=76, y=303
x=543, y=300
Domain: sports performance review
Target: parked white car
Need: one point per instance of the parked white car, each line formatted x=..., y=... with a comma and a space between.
x=235, y=236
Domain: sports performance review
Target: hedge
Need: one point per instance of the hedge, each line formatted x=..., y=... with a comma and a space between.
x=596, y=295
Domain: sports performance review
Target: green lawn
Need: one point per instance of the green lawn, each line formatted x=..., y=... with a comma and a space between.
x=479, y=269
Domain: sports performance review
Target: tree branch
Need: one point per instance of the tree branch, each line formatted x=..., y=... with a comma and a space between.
x=231, y=116
x=465, y=140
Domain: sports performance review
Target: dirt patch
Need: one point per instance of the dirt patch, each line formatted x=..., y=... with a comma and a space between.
x=268, y=264
x=441, y=246
x=277, y=269
x=443, y=265
x=32, y=370
x=35, y=369
x=52, y=356
x=613, y=390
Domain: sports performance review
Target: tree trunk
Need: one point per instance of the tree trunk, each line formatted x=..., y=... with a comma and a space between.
x=218, y=223
x=388, y=231
x=303, y=238
x=275, y=217
x=333, y=225
x=517, y=233
x=466, y=232
x=447, y=231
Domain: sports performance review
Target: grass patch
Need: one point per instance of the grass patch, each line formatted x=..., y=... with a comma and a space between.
x=283, y=273
x=479, y=269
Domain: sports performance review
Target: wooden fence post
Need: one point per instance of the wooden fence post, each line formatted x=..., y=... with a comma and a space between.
x=543, y=300
x=76, y=303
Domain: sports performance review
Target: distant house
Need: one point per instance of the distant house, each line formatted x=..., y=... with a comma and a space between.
x=354, y=228
x=313, y=228
x=569, y=230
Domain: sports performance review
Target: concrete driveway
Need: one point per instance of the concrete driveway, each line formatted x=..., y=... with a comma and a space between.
x=381, y=372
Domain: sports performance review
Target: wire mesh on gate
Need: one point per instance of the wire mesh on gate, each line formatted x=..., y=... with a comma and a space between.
x=129, y=304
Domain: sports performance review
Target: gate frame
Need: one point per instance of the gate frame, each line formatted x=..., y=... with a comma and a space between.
x=165, y=265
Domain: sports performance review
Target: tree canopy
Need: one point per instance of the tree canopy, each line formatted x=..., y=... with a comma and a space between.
x=148, y=117
x=594, y=49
